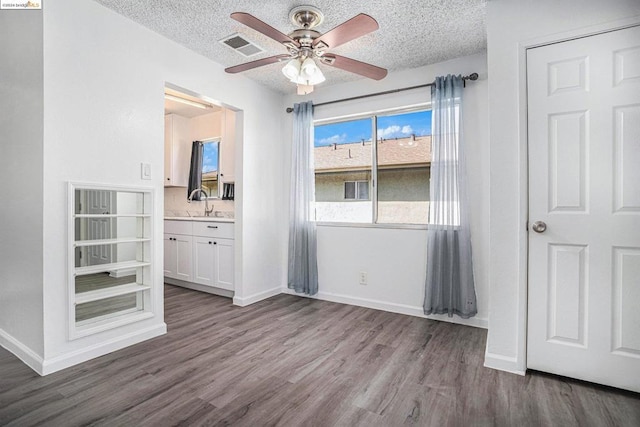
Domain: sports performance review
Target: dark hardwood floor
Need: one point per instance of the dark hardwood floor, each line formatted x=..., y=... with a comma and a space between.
x=294, y=361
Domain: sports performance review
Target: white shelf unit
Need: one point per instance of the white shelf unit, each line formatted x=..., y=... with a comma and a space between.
x=110, y=277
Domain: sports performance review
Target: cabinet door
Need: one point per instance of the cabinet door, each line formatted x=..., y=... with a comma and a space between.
x=168, y=148
x=224, y=254
x=204, y=260
x=170, y=256
x=228, y=147
x=177, y=151
x=184, y=257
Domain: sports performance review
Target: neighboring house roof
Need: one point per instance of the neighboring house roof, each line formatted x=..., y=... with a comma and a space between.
x=210, y=176
x=392, y=153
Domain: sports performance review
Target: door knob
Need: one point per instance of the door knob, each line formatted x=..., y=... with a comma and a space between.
x=539, y=226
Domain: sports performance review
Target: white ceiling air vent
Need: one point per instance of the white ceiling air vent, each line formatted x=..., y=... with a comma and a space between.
x=241, y=45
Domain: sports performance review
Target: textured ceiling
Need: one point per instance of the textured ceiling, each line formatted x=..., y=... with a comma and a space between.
x=412, y=33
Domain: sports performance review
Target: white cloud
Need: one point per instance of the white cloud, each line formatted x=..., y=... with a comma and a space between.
x=389, y=132
x=395, y=131
x=407, y=130
x=335, y=139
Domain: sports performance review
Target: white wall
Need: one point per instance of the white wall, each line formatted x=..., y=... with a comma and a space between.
x=395, y=259
x=21, y=134
x=104, y=107
x=511, y=27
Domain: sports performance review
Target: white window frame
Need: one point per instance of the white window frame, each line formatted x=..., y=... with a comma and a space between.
x=373, y=187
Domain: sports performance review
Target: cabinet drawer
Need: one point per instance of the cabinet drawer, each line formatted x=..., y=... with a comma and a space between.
x=178, y=227
x=213, y=229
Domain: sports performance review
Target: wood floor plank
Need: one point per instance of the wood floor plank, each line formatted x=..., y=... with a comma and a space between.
x=293, y=361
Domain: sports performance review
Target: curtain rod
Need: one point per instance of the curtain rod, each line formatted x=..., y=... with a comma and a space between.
x=472, y=77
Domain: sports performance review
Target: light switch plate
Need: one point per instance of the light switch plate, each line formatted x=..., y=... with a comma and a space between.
x=145, y=169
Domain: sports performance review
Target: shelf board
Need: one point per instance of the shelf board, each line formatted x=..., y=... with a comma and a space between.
x=114, y=291
x=79, y=243
x=100, y=268
x=112, y=215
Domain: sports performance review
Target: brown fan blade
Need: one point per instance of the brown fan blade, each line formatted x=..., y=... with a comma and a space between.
x=354, y=66
x=255, y=64
x=355, y=27
x=266, y=29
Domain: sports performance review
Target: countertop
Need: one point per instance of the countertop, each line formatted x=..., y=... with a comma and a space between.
x=200, y=218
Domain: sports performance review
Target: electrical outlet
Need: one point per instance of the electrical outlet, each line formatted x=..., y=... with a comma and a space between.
x=363, y=277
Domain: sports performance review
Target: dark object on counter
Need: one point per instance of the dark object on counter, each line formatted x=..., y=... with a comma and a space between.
x=228, y=190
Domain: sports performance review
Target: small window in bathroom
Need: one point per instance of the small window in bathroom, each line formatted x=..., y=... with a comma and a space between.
x=210, y=167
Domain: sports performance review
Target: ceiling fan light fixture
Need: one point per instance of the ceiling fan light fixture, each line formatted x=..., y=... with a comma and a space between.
x=292, y=70
x=310, y=72
x=305, y=45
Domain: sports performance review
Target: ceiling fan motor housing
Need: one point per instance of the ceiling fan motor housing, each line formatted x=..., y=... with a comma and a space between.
x=306, y=17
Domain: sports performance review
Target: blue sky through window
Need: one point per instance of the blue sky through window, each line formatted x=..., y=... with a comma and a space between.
x=396, y=126
x=210, y=157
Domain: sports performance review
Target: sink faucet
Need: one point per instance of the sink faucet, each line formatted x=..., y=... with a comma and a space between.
x=207, y=211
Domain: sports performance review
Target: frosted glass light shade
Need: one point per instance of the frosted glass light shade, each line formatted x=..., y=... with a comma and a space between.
x=310, y=72
x=292, y=70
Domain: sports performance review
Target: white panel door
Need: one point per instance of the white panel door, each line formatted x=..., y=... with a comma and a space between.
x=584, y=184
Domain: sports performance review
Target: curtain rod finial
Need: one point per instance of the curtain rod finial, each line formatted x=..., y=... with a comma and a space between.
x=473, y=76
x=289, y=110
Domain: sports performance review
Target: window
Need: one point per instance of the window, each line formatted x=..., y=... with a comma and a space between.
x=356, y=190
x=210, y=167
x=343, y=154
x=386, y=182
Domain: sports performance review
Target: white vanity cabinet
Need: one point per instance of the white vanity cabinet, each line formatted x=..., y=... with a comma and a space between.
x=209, y=247
x=177, y=151
x=213, y=248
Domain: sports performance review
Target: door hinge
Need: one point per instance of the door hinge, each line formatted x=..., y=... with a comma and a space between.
x=526, y=226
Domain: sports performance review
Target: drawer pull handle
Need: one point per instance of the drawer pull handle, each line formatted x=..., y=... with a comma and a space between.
x=212, y=226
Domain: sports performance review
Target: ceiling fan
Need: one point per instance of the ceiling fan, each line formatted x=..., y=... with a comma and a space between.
x=305, y=45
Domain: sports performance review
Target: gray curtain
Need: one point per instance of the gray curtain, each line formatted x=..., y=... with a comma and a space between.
x=195, y=169
x=303, y=267
x=449, y=285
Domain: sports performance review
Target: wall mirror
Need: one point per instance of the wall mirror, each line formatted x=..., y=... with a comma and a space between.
x=110, y=257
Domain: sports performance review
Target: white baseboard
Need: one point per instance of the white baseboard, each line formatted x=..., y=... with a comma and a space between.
x=392, y=307
x=54, y=364
x=251, y=299
x=66, y=360
x=197, y=287
x=503, y=363
x=21, y=351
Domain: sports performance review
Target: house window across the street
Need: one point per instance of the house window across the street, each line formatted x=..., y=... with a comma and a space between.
x=356, y=190
x=358, y=181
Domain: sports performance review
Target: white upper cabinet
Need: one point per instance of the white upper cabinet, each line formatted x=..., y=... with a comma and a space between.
x=208, y=126
x=177, y=151
x=227, y=150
